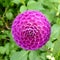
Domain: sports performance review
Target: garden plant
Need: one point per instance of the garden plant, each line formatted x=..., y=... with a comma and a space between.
x=29, y=29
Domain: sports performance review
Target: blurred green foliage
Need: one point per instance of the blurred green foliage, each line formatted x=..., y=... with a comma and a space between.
x=8, y=11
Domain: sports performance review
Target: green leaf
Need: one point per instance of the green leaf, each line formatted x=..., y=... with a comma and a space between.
x=2, y=36
x=34, y=56
x=23, y=8
x=43, y=56
x=1, y=23
x=55, y=33
x=50, y=14
x=9, y=15
x=49, y=44
x=41, y=1
x=22, y=55
x=57, y=57
x=59, y=8
x=6, y=58
x=10, y=36
x=6, y=3
x=56, y=48
x=56, y=1
x=2, y=50
x=22, y=1
x=1, y=58
x=33, y=5
x=7, y=48
x=58, y=21
x=16, y=1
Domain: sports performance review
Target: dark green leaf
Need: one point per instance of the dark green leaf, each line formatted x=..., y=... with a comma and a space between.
x=1, y=23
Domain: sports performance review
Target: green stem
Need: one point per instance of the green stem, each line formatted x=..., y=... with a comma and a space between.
x=4, y=14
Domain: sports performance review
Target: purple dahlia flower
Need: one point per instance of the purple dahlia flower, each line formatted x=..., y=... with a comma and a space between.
x=31, y=30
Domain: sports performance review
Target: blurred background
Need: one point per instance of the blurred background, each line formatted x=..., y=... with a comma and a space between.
x=9, y=9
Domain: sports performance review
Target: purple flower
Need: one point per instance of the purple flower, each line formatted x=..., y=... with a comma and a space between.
x=31, y=30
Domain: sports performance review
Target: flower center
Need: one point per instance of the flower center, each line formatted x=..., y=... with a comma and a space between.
x=29, y=33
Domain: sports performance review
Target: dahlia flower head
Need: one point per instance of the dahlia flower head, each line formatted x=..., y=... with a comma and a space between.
x=31, y=30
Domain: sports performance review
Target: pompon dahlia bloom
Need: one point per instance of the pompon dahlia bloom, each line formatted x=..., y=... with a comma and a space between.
x=31, y=30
